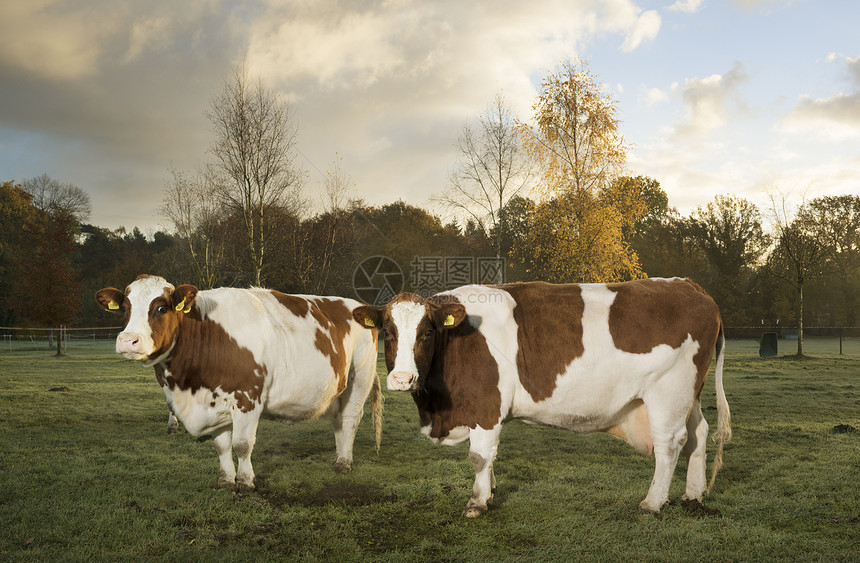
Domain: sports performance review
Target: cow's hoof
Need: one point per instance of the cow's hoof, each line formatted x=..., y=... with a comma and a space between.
x=224, y=483
x=648, y=509
x=243, y=488
x=172, y=429
x=342, y=466
x=474, y=511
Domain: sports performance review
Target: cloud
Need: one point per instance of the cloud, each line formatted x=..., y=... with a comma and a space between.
x=646, y=29
x=686, y=6
x=385, y=81
x=340, y=44
x=837, y=116
x=50, y=40
x=149, y=34
x=710, y=101
x=853, y=66
x=653, y=96
x=752, y=4
x=840, y=109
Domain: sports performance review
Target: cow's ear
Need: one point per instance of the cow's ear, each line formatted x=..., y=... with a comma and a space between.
x=449, y=315
x=367, y=316
x=110, y=299
x=183, y=298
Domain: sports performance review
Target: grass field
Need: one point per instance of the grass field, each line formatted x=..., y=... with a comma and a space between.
x=88, y=473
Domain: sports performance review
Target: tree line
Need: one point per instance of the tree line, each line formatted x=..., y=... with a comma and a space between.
x=547, y=198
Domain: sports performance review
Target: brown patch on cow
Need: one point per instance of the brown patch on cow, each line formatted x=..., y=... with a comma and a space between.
x=206, y=356
x=648, y=313
x=297, y=305
x=390, y=337
x=164, y=325
x=333, y=317
x=546, y=313
x=159, y=375
x=108, y=295
x=461, y=387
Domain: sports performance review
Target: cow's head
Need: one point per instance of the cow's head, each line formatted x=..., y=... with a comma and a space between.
x=411, y=327
x=152, y=309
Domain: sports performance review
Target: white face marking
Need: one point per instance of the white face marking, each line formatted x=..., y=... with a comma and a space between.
x=135, y=342
x=406, y=315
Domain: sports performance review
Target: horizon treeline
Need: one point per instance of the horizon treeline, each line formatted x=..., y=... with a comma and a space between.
x=51, y=264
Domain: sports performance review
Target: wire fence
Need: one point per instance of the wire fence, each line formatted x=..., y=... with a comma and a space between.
x=829, y=340
x=33, y=338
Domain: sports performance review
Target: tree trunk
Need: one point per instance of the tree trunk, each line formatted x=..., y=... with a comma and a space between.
x=800, y=320
x=60, y=341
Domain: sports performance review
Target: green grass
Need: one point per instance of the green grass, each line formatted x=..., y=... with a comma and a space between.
x=88, y=473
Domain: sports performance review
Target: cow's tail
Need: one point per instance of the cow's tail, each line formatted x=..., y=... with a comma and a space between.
x=723, y=434
x=376, y=402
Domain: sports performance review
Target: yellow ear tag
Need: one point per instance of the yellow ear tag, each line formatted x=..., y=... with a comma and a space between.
x=449, y=320
x=369, y=322
x=182, y=306
x=113, y=305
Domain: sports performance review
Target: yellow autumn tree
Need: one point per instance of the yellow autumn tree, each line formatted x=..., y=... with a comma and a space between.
x=579, y=226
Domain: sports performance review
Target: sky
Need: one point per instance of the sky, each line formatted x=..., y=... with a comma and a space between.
x=739, y=97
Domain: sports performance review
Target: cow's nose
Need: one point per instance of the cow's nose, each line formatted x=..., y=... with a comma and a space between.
x=127, y=342
x=401, y=380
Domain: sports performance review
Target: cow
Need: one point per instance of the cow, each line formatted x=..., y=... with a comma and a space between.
x=226, y=356
x=629, y=359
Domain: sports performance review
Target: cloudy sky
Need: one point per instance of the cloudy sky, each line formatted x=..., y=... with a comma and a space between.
x=716, y=97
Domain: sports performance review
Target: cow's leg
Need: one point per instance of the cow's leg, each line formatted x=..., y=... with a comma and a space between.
x=483, y=445
x=694, y=449
x=349, y=408
x=223, y=441
x=667, y=448
x=244, y=438
x=667, y=413
x=172, y=422
x=345, y=427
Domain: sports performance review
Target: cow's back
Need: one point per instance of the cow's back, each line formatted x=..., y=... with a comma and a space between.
x=305, y=343
x=575, y=355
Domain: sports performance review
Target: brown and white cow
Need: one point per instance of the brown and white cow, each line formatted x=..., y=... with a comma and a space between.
x=629, y=359
x=226, y=356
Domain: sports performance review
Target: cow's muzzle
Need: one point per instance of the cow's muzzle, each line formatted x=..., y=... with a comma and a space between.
x=130, y=345
x=402, y=381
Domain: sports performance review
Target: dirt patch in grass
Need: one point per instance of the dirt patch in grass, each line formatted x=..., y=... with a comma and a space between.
x=843, y=429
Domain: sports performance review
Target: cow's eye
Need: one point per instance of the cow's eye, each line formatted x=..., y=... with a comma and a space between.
x=161, y=309
x=428, y=332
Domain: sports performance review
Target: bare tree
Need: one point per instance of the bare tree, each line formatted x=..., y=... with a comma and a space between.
x=491, y=169
x=255, y=141
x=55, y=197
x=196, y=213
x=337, y=199
x=798, y=255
